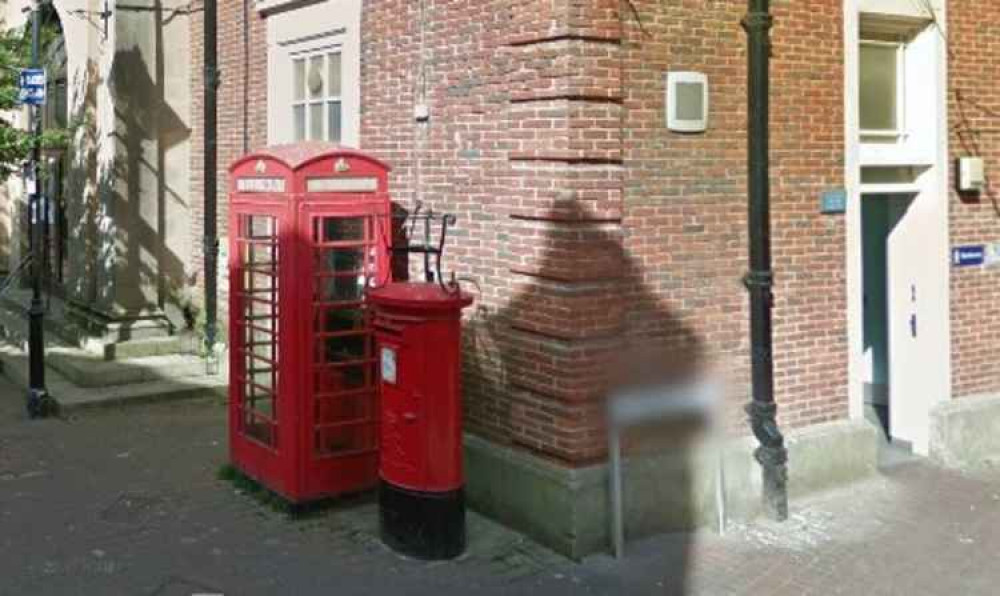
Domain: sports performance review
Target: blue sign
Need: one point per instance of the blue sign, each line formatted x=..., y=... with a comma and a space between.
x=968, y=256
x=32, y=86
x=833, y=201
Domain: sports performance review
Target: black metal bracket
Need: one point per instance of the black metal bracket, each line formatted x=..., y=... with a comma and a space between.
x=758, y=279
x=432, y=249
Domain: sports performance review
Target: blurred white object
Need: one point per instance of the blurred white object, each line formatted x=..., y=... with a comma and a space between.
x=698, y=399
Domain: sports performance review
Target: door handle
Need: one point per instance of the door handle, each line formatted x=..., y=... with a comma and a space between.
x=913, y=325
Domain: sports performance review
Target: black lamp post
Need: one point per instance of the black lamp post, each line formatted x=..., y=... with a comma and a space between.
x=771, y=453
x=39, y=403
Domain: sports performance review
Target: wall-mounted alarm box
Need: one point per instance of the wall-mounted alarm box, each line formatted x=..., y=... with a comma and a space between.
x=971, y=174
x=687, y=101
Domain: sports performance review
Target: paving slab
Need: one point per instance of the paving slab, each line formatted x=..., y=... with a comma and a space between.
x=128, y=501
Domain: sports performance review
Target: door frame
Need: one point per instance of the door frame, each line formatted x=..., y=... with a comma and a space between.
x=930, y=205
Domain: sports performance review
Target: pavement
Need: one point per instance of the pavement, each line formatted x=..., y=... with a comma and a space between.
x=127, y=500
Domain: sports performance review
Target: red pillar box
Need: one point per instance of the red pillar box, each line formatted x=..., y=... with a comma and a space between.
x=309, y=229
x=421, y=495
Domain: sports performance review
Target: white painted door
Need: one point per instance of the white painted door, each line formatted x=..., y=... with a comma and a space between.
x=906, y=272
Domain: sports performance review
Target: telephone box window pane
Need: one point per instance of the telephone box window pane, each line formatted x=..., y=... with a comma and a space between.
x=342, y=229
x=334, y=63
x=335, y=121
x=260, y=430
x=315, y=80
x=332, y=380
x=344, y=408
x=260, y=283
x=879, y=90
x=300, y=122
x=342, y=260
x=341, y=289
x=338, y=320
x=261, y=259
x=259, y=227
x=316, y=122
x=345, y=349
x=345, y=439
x=299, y=70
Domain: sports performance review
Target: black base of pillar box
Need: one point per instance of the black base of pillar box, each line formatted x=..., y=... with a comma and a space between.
x=429, y=526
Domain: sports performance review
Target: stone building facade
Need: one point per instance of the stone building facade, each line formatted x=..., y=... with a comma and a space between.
x=123, y=187
x=586, y=222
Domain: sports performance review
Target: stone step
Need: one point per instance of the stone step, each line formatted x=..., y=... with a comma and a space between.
x=137, y=348
x=86, y=369
x=70, y=396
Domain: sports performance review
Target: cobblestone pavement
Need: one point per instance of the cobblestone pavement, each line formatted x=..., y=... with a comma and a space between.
x=126, y=501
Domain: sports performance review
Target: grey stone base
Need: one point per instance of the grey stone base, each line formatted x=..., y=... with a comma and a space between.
x=142, y=380
x=111, y=328
x=963, y=432
x=567, y=509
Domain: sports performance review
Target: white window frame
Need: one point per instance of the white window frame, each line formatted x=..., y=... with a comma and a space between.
x=326, y=97
x=900, y=130
x=301, y=28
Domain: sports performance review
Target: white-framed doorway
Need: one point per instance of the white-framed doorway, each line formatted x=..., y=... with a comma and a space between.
x=898, y=269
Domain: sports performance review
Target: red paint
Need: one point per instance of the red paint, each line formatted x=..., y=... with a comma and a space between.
x=304, y=400
x=422, y=410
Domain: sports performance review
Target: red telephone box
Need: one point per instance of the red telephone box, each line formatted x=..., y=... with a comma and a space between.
x=421, y=492
x=309, y=230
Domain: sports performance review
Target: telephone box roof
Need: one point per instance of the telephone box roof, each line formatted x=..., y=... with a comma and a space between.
x=296, y=155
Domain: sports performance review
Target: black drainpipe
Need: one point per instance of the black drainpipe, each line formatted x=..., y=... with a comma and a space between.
x=211, y=243
x=771, y=453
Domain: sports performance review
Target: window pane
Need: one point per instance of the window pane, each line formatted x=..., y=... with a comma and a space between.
x=339, y=229
x=300, y=122
x=316, y=121
x=334, y=75
x=335, y=123
x=879, y=87
x=299, y=69
x=316, y=75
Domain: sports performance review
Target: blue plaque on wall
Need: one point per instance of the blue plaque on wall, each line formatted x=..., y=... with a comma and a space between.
x=833, y=201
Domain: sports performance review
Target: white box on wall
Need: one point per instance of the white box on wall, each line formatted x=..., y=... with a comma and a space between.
x=971, y=174
x=687, y=101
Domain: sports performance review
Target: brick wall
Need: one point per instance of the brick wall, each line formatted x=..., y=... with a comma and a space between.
x=974, y=122
x=686, y=204
x=242, y=98
x=588, y=226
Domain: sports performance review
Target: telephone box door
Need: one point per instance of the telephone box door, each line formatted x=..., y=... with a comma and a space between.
x=345, y=253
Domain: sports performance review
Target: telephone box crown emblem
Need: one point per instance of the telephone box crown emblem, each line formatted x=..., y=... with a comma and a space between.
x=260, y=167
x=341, y=166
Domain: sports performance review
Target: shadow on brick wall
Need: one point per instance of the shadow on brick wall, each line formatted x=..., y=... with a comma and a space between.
x=587, y=326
